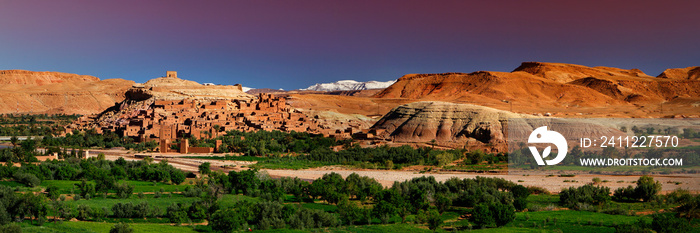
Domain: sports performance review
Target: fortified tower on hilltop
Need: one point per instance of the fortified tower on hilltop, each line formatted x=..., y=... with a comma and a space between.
x=171, y=74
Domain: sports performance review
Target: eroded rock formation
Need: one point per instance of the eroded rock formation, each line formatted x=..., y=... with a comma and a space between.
x=450, y=124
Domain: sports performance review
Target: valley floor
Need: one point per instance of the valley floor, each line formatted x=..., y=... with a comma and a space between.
x=548, y=179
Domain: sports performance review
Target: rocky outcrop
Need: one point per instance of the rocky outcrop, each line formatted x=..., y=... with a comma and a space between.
x=449, y=124
x=688, y=73
x=476, y=127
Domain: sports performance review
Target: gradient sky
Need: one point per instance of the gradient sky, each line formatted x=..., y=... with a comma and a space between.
x=295, y=44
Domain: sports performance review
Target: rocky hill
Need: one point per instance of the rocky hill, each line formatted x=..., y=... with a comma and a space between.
x=24, y=77
x=449, y=124
x=689, y=73
x=473, y=127
x=54, y=92
x=538, y=86
x=174, y=88
x=564, y=73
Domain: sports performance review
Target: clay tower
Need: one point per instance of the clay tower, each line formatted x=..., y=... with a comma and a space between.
x=171, y=74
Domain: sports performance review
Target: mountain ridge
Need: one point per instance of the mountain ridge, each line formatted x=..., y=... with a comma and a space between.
x=25, y=91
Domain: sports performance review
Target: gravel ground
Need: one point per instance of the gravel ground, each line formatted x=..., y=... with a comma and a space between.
x=553, y=184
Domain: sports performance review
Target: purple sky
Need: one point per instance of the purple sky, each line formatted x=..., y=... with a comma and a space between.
x=295, y=44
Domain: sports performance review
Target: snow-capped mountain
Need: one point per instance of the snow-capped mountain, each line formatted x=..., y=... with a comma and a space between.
x=348, y=85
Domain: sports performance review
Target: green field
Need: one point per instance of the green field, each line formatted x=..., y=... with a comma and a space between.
x=543, y=221
x=101, y=227
x=545, y=214
x=162, y=203
x=65, y=186
x=11, y=184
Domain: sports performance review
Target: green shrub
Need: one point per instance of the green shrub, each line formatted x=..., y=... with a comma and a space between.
x=84, y=212
x=121, y=228
x=689, y=208
x=647, y=188
x=227, y=220
x=631, y=228
x=624, y=194
x=10, y=228
x=538, y=190
x=442, y=202
x=28, y=179
x=587, y=194
x=434, y=220
x=666, y=223
x=311, y=218
x=176, y=214
x=123, y=210
x=124, y=190
x=86, y=188
x=4, y=215
x=141, y=210
x=192, y=192
x=495, y=214
x=349, y=212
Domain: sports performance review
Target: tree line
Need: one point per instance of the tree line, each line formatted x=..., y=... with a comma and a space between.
x=33, y=125
x=491, y=202
x=103, y=173
x=591, y=197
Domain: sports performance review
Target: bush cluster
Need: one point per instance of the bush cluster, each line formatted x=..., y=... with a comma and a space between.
x=587, y=194
x=646, y=190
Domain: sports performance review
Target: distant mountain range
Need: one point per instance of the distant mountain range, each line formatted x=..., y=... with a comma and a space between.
x=349, y=85
x=533, y=87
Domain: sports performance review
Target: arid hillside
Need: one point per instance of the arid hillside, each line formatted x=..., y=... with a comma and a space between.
x=562, y=89
x=689, y=73
x=174, y=88
x=374, y=107
x=54, y=92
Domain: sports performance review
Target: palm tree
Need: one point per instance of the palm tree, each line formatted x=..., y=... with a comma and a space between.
x=14, y=141
x=690, y=209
